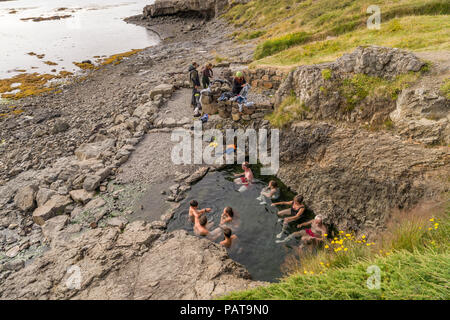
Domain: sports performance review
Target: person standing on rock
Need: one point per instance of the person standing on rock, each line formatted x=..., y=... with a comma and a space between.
x=195, y=82
x=207, y=74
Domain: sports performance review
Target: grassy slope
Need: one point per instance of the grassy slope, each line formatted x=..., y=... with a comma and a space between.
x=296, y=32
x=414, y=260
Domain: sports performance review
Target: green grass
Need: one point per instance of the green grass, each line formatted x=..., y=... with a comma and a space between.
x=413, y=256
x=404, y=275
x=290, y=110
x=304, y=32
x=270, y=47
x=361, y=86
x=445, y=88
x=415, y=33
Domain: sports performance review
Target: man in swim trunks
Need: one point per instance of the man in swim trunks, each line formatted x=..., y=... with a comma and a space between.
x=200, y=227
x=194, y=211
x=246, y=177
x=315, y=233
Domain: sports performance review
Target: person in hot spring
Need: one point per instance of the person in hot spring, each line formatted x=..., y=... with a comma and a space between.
x=245, y=178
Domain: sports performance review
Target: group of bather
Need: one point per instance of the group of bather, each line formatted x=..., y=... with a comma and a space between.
x=314, y=232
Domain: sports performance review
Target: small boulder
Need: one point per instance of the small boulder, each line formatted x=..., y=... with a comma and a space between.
x=95, y=204
x=25, y=198
x=119, y=222
x=53, y=207
x=162, y=89
x=92, y=182
x=81, y=196
x=43, y=195
x=94, y=150
x=54, y=226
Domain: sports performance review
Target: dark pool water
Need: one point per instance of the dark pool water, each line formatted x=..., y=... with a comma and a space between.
x=258, y=224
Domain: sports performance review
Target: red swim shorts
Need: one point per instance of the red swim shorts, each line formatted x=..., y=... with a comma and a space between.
x=309, y=232
x=244, y=180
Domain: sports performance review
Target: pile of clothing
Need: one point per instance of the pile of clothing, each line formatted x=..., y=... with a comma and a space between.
x=241, y=98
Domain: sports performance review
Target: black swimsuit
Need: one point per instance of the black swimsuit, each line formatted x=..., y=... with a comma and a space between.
x=294, y=211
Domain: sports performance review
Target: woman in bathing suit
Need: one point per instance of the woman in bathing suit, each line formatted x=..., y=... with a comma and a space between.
x=296, y=210
x=294, y=213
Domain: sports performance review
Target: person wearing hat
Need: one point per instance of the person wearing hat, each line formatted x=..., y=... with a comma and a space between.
x=238, y=83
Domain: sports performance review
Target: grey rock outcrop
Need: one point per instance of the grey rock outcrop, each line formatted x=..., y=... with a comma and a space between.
x=25, y=198
x=56, y=205
x=139, y=263
x=423, y=114
x=321, y=88
x=207, y=8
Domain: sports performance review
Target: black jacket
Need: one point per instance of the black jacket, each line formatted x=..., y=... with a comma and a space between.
x=193, y=76
x=237, y=85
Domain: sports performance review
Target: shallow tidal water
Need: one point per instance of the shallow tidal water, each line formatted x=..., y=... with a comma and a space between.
x=255, y=247
x=95, y=28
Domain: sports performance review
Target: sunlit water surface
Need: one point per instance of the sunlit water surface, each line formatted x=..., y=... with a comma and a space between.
x=95, y=28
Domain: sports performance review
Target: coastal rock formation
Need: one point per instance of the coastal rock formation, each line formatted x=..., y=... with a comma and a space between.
x=356, y=178
x=140, y=263
x=422, y=114
x=206, y=8
x=334, y=91
x=376, y=86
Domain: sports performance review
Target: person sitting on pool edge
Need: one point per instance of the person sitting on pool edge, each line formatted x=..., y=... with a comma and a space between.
x=317, y=231
x=194, y=212
x=271, y=192
x=295, y=212
x=229, y=237
x=245, y=177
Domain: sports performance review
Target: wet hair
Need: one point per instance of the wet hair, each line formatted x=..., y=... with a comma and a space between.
x=203, y=221
x=193, y=203
x=227, y=232
x=273, y=183
x=246, y=164
x=298, y=199
x=229, y=211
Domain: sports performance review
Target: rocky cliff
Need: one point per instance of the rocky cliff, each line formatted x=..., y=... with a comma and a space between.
x=357, y=178
x=206, y=8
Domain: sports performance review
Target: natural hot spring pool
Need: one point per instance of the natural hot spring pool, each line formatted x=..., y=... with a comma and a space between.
x=256, y=248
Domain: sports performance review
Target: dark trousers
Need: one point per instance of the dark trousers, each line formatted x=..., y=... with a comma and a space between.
x=206, y=82
x=194, y=100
